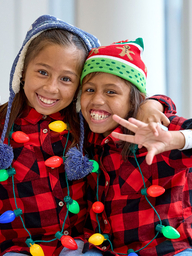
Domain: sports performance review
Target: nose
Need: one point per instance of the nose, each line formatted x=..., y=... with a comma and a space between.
x=98, y=99
x=51, y=86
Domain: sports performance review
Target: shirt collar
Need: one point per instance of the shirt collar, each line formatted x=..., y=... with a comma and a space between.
x=30, y=115
x=98, y=139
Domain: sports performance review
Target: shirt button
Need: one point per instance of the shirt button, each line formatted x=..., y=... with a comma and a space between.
x=45, y=130
x=66, y=232
x=106, y=141
x=105, y=222
x=104, y=248
x=44, y=116
x=106, y=183
x=61, y=203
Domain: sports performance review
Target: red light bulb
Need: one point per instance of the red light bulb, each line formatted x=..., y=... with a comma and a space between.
x=97, y=207
x=20, y=137
x=153, y=191
x=69, y=242
x=54, y=161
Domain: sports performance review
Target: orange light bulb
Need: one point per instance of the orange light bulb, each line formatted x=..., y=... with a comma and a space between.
x=54, y=161
x=20, y=137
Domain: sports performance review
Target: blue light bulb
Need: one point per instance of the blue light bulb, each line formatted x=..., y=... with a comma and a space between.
x=9, y=215
x=132, y=253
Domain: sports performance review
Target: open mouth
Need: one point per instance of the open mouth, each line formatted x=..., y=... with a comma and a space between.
x=99, y=115
x=46, y=101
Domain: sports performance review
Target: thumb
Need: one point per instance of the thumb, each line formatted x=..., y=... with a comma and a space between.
x=149, y=157
x=165, y=120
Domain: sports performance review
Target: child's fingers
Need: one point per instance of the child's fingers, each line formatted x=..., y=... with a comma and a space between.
x=137, y=123
x=124, y=123
x=154, y=128
x=149, y=157
x=128, y=138
x=164, y=120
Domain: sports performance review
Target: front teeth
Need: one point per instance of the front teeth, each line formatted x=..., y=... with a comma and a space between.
x=46, y=100
x=97, y=116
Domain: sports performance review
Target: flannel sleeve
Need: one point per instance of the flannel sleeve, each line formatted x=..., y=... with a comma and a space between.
x=168, y=104
x=176, y=158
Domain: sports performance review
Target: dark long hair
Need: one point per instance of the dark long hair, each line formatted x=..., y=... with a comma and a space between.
x=54, y=36
x=136, y=98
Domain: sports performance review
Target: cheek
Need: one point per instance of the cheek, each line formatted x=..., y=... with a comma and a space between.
x=83, y=102
x=68, y=94
x=122, y=108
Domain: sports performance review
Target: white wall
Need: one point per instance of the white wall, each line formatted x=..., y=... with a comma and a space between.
x=186, y=52
x=15, y=19
x=114, y=20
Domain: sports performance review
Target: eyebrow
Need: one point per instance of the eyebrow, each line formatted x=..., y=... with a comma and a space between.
x=93, y=84
x=47, y=66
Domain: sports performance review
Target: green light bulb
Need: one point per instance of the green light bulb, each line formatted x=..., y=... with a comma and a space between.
x=168, y=231
x=72, y=205
x=95, y=166
x=5, y=174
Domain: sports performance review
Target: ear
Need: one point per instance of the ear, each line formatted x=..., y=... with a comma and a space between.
x=143, y=96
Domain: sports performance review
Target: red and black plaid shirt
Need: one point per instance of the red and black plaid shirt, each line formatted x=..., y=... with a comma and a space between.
x=39, y=190
x=127, y=218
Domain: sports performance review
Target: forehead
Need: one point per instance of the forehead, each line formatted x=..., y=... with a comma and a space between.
x=105, y=78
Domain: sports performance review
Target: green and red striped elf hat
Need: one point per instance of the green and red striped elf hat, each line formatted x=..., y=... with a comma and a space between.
x=122, y=59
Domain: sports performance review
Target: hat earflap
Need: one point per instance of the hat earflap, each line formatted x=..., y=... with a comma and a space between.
x=6, y=152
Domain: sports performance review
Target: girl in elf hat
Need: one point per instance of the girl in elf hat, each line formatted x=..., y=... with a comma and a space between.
x=133, y=208
x=41, y=208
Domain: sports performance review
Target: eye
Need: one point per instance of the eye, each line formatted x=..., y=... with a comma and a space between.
x=111, y=92
x=89, y=90
x=66, y=79
x=43, y=72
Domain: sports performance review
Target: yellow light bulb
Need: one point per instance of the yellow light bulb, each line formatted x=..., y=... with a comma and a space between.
x=36, y=250
x=96, y=239
x=58, y=126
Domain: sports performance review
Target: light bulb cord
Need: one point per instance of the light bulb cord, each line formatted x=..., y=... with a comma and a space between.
x=97, y=218
x=15, y=200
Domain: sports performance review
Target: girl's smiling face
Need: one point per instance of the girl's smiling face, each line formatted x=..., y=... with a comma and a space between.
x=102, y=96
x=52, y=78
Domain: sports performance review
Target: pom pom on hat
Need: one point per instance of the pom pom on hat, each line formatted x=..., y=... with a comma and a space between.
x=122, y=59
x=6, y=156
x=77, y=166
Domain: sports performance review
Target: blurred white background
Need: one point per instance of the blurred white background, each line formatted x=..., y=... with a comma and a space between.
x=164, y=26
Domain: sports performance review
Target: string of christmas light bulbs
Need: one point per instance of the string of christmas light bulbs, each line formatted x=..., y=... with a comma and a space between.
x=72, y=205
